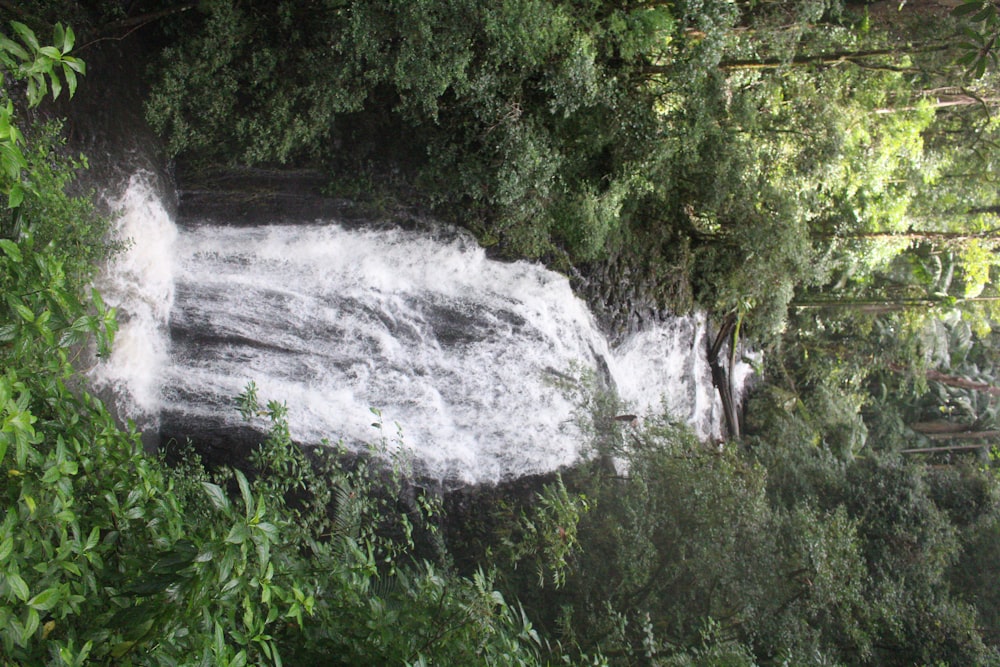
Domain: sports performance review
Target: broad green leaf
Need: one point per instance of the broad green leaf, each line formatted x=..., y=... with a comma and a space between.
x=967, y=8
x=220, y=640
x=973, y=35
x=26, y=313
x=121, y=649
x=11, y=249
x=92, y=540
x=14, y=49
x=245, y=492
x=45, y=600
x=237, y=534
x=15, y=196
x=18, y=586
x=34, y=93
x=69, y=39
x=52, y=475
x=26, y=34
x=56, y=85
x=70, y=78
x=32, y=624
x=269, y=530
x=966, y=59
x=182, y=555
x=987, y=12
x=980, y=68
x=216, y=495
x=75, y=64
x=98, y=301
x=70, y=337
x=69, y=467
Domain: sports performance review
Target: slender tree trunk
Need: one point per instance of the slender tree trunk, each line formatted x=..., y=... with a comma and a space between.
x=921, y=236
x=837, y=57
x=945, y=102
x=147, y=18
x=834, y=58
x=932, y=450
x=928, y=428
x=952, y=380
x=964, y=435
x=880, y=306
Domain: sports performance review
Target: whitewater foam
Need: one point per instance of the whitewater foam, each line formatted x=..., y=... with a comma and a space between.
x=466, y=354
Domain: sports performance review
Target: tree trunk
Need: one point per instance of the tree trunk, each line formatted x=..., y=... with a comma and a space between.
x=834, y=58
x=928, y=236
x=964, y=435
x=884, y=305
x=148, y=18
x=928, y=428
x=952, y=380
x=945, y=102
x=933, y=450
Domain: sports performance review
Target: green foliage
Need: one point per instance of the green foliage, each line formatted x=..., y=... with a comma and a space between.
x=686, y=537
x=980, y=36
x=548, y=533
x=121, y=560
x=40, y=66
x=489, y=103
x=790, y=554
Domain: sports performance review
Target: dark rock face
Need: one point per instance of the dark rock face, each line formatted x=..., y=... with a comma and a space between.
x=105, y=120
x=630, y=291
x=218, y=443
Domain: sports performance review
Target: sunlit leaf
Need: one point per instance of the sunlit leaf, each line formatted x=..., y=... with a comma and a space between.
x=45, y=600
x=69, y=39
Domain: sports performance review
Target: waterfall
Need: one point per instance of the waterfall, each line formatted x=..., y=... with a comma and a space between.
x=464, y=353
x=139, y=282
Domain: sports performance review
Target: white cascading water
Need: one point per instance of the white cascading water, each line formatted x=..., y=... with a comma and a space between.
x=462, y=352
x=140, y=283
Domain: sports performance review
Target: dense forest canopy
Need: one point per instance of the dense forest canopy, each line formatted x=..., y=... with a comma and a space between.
x=819, y=175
